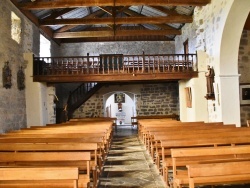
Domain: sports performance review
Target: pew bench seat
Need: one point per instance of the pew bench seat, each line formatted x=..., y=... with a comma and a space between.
x=183, y=157
x=219, y=173
x=79, y=160
x=52, y=177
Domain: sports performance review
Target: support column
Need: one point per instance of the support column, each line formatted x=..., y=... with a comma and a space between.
x=36, y=96
x=229, y=108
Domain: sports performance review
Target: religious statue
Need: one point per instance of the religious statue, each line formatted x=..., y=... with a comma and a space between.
x=20, y=79
x=7, y=76
x=210, y=80
x=119, y=107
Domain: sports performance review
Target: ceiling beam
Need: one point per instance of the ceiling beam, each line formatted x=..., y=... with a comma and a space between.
x=123, y=20
x=106, y=10
x=112, y=39
x=118, y=33
x=114, y=78
x=88, y=3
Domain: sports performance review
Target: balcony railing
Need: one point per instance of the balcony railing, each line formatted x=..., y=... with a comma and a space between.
x=115, y=64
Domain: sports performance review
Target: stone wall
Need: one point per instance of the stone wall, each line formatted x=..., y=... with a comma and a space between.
x=150, y=99
x=12, y=103
x=244, y=57
x=92, y=108
x=202, y=35
x=244, y=69
x=158, y=99
x=126, y=48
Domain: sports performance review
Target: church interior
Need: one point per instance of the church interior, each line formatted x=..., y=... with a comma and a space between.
x=110, y=93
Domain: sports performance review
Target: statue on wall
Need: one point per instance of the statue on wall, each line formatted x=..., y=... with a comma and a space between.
x=20, y=79
x=210, y=80
x=7, y=76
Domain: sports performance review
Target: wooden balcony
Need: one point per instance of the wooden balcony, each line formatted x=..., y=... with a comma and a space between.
x=115, y=68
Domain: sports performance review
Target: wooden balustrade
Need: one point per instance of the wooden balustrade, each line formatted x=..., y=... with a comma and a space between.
x=117, y=64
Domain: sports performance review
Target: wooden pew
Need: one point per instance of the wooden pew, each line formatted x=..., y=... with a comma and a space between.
x=200, y=142
x=81, y=160
x=137, y=120
x=61, y=138
x=77, y=132
x=155, y=144
x=39, y=176
x=144, y=123
x=94, y=119
x=68, y=129
x=150, y=134
x=163, y=125
x=219, y=173
x=95, y=163
x=154, y=135
x=72, y=143
x=187, y=156
x=112, y=119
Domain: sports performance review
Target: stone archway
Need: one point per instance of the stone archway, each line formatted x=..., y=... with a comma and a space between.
x=227, y=60
x=128, y=106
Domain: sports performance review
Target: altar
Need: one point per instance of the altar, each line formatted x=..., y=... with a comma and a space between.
x=120, y=116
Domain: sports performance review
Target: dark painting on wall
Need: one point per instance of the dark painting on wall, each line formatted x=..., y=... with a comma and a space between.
x=119, y=98
x=245, y=94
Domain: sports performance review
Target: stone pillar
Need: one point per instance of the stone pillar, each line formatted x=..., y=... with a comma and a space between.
x=36, y=93
x=229, y=99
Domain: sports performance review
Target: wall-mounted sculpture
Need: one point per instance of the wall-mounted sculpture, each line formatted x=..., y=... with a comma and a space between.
x=20, y=79
x=7, y=76
x=210, y=81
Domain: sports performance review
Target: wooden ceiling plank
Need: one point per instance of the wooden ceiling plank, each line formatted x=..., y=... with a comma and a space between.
x=88, y=3
x=110, y=33
x=56, y=14
x=93, y=15
x=132, y=13
x=165, y=11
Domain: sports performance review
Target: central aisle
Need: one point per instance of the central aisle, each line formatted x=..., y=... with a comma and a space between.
x=128, y=164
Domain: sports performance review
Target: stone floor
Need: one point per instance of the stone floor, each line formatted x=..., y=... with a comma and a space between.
x=128, y=164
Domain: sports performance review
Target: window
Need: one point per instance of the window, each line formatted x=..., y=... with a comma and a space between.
x=15, y=27
x=44, y=47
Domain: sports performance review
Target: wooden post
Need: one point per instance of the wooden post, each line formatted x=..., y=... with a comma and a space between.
x=143, y=61
x=87, y=63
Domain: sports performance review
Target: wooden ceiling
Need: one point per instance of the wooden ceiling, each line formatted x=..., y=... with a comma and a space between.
x=109, y=20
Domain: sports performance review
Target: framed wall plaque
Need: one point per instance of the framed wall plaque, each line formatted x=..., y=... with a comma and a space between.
x=188, y=93
x=119, y=98
x=245, y=94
